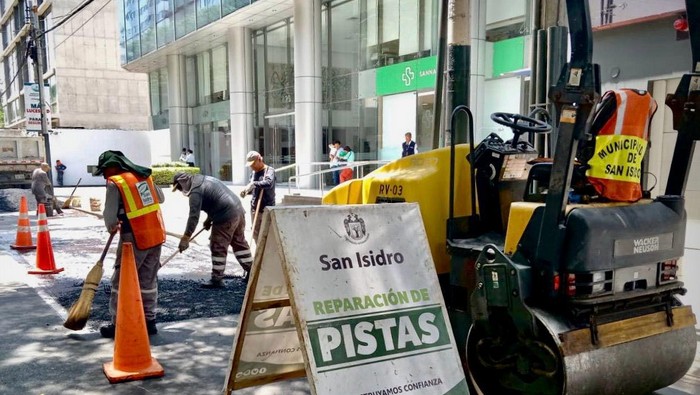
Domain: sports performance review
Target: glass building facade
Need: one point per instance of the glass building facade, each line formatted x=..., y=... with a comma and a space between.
x=364, y=44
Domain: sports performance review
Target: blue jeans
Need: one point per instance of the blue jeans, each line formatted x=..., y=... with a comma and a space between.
x=336, y=177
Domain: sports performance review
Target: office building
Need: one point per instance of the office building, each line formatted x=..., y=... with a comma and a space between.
x=88, y=87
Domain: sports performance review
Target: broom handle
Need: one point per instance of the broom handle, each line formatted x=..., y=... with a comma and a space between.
x=76, y=187
x=257, y=211
x=177, y=252
x=109, y=243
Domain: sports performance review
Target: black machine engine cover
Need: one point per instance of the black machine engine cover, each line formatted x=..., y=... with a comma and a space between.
x=605, y=238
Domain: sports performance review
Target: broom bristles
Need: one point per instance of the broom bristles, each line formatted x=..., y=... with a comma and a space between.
x=80, y=311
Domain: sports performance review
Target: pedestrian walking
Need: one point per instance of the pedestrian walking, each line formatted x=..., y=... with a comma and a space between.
x=225, y=218
x=183, y=155
x=60, y=168
x=43, y=190
x=262, y=186
x=347, y=156
x=408, y=147
x=132, y=206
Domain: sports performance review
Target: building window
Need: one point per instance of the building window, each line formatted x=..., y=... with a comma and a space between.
x=131, y=30
x=395, y=31
x=219, y=74
x=164, y=22
x=207, y=12
x=185, y=17
x=207, y=77
x=147, y=26
x=274, y=86
x=229, y=6
x=158, y=89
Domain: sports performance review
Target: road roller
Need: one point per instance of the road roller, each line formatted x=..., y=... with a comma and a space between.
x=561, y=275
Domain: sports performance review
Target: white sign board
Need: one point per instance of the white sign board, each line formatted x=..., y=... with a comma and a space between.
x=32, y=109
x=364, y=298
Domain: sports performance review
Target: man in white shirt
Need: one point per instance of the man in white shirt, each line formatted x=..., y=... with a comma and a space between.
x=189, y=159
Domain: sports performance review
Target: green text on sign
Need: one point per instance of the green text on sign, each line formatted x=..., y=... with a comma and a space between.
x=407, y=76
x=369, y=338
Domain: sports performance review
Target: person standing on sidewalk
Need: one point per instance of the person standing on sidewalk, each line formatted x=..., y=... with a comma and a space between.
x=225, y=218
x=189, y=159
x=60, y=169
x=262, y=184
x=132, y=206
x=408, y=147
x=43, y=190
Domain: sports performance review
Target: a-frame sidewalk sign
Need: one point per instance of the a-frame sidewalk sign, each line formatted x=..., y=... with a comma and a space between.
x=348, y=297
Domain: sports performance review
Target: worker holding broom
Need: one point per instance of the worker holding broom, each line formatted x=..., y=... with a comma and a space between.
x=132, y=206
x=225, y=217
x=262, y=186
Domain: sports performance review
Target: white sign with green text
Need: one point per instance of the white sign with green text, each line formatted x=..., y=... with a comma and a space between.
x=367, y=301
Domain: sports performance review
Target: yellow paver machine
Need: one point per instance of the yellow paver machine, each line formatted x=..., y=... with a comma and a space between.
x=552, y=287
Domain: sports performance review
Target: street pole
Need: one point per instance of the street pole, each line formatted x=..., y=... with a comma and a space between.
x=38, y=39
x=458, y=67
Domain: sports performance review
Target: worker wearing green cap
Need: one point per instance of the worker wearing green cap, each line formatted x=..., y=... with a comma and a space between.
x=132, y=206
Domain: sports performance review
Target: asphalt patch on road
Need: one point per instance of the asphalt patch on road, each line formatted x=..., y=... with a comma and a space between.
x=178, y=300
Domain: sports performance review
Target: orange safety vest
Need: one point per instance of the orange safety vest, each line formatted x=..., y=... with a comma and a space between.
x=142, y=209
x=616, y=165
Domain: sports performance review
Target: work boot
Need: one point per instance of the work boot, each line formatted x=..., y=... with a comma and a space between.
x=151, y=327
x=212, y=284
x=108, y=331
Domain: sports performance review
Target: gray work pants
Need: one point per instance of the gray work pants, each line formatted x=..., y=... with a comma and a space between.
x=223, y=235
x=147, y=265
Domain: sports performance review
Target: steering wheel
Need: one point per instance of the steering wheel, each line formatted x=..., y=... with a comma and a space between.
x=520, y=124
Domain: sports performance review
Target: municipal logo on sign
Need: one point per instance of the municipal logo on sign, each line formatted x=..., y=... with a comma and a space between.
x=145, y=193
x=355, y=229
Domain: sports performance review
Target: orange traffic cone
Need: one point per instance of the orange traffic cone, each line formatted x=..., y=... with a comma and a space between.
x=23, y=241
x=45, y=264
x=132, y=349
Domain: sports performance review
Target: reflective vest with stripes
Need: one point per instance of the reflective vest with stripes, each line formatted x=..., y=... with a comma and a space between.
x=616, y=165
x=141, y=208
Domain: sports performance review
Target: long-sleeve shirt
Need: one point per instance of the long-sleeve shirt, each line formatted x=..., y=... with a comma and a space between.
x=210, y=195
x=40, y=182
x=263, y=180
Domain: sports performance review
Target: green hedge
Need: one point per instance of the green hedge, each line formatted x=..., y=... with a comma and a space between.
x=164, y=175
x=171, y=164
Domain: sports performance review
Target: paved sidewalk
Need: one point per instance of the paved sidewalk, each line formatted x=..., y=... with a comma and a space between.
x=39, y=356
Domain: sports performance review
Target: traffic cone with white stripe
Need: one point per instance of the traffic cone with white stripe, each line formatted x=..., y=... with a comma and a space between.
x=132, y=349
x=45, y=263
x=23, y=241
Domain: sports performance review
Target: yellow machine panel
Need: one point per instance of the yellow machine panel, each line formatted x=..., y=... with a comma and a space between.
x=419, y=178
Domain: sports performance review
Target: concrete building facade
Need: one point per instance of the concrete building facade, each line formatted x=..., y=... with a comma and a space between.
x=88, y=87
x=288, y=77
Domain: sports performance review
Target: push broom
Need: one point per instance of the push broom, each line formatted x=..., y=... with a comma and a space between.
x=68, y=201
x=80, y=311
x=178, y=251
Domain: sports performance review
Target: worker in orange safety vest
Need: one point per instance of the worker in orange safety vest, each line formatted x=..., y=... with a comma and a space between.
x=132, y=206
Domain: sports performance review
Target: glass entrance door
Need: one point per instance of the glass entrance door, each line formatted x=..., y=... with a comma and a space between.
x=279, y=148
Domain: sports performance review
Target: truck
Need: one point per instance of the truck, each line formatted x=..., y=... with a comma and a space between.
x=20, y=154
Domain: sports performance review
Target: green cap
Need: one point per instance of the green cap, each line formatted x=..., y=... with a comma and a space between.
x=117, y=159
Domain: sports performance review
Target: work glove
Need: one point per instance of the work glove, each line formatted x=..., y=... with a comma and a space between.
x=207, y=224
x=184, y=243
x=248, y=189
